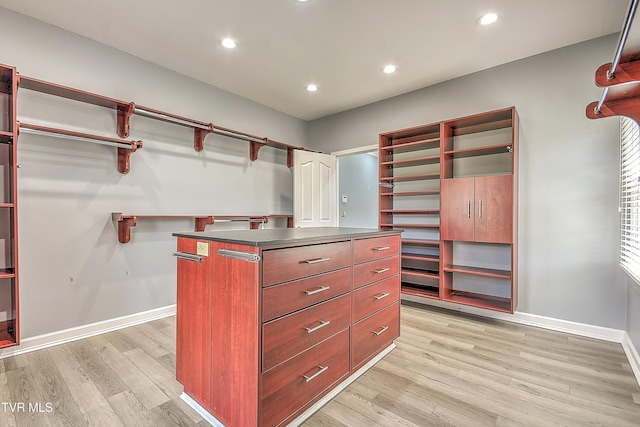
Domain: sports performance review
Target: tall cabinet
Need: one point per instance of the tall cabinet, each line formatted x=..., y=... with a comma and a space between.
x=9, y=324
x=460, y=244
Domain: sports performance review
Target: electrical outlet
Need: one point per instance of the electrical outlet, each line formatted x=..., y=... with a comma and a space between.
x=202, y=248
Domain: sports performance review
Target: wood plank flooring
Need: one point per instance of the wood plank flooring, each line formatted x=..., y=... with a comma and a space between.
x=448, y=369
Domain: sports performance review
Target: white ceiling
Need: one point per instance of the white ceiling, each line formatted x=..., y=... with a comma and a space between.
x=340, y=45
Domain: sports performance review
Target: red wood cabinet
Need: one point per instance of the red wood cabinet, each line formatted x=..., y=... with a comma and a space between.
x=265, y=330
x=477, y=209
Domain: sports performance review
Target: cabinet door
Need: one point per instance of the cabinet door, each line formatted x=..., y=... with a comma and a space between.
x=456, y=209
x=494, y=209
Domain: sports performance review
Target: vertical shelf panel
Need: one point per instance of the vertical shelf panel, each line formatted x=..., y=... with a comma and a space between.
x=9, y=316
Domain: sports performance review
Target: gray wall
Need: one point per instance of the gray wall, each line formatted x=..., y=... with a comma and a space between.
x=633, y=313
x=569, y=225
x=358, y=180
x=73, y=271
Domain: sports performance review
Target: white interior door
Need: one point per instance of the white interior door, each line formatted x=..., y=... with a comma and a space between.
x=314, y=190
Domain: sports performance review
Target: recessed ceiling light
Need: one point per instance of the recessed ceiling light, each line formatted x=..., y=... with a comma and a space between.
x=312, y=88
x=228, y=43
x=388, y=69
x=487, y=19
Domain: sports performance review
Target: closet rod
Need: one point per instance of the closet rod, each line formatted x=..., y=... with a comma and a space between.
x=142, y=111
x=77, y=136
x=633, y=5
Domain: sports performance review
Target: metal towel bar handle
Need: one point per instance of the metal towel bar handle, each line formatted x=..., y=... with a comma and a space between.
x=309, y=378
x=188, y=257
x=242, y=256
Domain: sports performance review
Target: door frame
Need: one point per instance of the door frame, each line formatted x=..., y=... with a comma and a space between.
x=373, y=148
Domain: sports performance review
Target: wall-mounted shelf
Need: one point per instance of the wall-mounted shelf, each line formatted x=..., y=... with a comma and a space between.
x=125, y=148
x=418, y=161
x=125, y=222
x=124, y=111
x=476, y=271
x=479, y=151
x=416, y=177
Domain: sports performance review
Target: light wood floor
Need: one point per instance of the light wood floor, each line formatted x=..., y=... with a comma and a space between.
x=448, y=369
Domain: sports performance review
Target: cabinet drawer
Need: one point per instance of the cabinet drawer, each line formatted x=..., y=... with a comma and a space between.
x=374, y=333
x=282, y=299
x=281, y=265
x=285, y=390
x=372, y=298
x=287, y=336
x=378, y=247
x=375, y=270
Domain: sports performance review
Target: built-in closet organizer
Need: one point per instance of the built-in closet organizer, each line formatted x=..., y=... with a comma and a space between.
x=452, y=187
x=9, y=305
x=270, y=322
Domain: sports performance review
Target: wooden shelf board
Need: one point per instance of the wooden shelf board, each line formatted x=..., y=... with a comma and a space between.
x=6, y=137
x=476, y=271
x=411, y=225
x=414, y=133
x=402, y=147
x=420, y=291
x=7, y=273
x=424, y=258
x=478, y=151
x=70, y=93
x=498, y=119
x=411, y=211
x=7, y=205
x=418, y=177
x=417, y=242
x=418, y=161
x=420, y=273
x=412, y=193
x=479, y=300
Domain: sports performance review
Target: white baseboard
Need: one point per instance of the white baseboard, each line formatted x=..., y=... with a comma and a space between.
x=582, y=329
x=85, y=331
x=632, y=355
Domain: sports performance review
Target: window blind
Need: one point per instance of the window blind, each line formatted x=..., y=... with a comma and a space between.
x=630, y=197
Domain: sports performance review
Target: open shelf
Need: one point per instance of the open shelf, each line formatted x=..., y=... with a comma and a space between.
x=417, y=161
x=125, y=222
x=411, y=193
x=420, y=290
x=125, y=148
x=414, y=144
x=6, y=137
x=480, y=300
x=417, y=177
x=412, y=211
x=7, y=273
x=492, y=120
x=426, y=274
x=418, y=257
x=479, y=151
x=417, y=242
x=476, y=271
x=410, y=225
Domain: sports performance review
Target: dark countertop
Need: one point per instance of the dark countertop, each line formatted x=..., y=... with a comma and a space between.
x=278, y=236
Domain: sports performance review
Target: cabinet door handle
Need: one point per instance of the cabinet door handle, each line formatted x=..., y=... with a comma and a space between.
x=384, y=328
x=381, y=296
x=382, y=248
x=381, y=270
x=320, y=326
x=479, y=208
x=317, y=260
x=317, y=291
x=188, y=257
x=468, y=208
x=322, y=369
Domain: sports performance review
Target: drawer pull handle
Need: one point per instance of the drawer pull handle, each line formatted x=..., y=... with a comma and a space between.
x=317, y=291
x=188, y=257
x=320, y=326
x=381, y=270
x=317, y=260
x=322, y=369
x=382, y=248
x=377, y=333
x=381, y=296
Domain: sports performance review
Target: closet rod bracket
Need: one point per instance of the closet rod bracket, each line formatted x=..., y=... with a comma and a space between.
x=124, y=113
x=124, y=156
x=198, y=137
x=255, y=146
